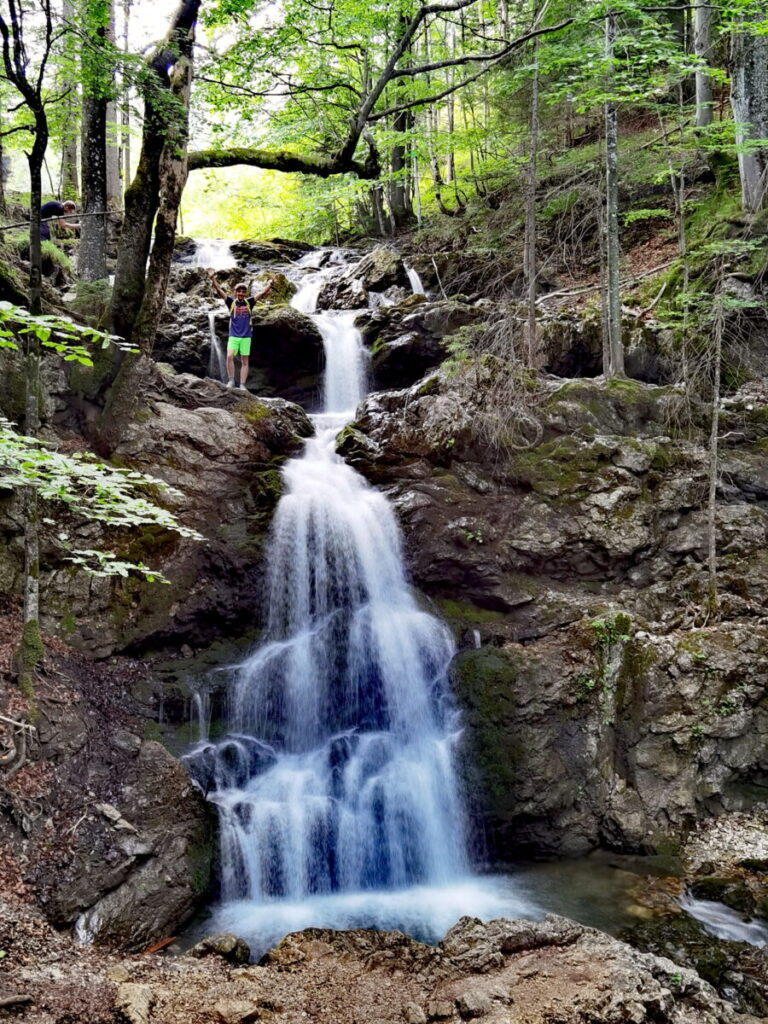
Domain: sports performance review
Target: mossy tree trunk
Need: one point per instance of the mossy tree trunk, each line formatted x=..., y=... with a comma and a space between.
x=137, y=301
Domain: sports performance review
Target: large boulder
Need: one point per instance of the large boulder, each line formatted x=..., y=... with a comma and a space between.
x=376, y=273
x=410, y=338
x=287, y=357
x=140, y=870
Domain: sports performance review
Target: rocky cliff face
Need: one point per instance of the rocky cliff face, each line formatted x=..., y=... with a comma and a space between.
x=602, y=704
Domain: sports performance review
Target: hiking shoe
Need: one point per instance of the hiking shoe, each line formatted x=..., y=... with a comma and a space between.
x=231, y=382
x=241, y=387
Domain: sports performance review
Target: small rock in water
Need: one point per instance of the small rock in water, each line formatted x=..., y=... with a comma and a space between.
x=134, y=1002
x=230, y=947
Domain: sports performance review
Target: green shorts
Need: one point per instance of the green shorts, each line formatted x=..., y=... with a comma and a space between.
x=239, y=346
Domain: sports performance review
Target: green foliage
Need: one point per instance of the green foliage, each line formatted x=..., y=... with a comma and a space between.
x=59, y=333
x=612, y=631
x=89, y=489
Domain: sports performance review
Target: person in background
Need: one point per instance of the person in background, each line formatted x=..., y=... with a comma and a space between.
x=56, y=209
x=239, y=343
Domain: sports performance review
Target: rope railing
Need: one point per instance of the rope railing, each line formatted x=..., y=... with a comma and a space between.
x=60, y=216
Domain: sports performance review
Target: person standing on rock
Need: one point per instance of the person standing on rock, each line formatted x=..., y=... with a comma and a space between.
x=239, y=343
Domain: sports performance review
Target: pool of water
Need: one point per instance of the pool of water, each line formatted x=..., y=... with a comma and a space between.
x=598, y=891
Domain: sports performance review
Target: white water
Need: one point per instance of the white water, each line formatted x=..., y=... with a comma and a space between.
x=217, y=360
x=414, y=280
x=214, y=253
x=725, y=923
x=336, y=787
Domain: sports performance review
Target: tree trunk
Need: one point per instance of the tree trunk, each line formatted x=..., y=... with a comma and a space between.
x=717, y=353
x=400, y=203
x=125, y=109
x=92, y=257
x=142, y=197
x=615, y=367
x=156, y=190
x=749, y=100
x=114, y=190
x=702, y=45
x=30, y=650
x=530, y=211
x=97, y=86
x=70, y=179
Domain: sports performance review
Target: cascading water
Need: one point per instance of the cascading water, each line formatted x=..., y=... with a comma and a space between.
x=217, y=360
x=212, y=252
x=414, y=280
x=336, y=786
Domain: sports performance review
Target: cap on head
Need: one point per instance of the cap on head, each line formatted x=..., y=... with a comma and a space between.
x=241, y=287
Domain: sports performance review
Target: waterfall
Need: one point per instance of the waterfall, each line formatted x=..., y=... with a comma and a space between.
x=415, y=281
x=336, y=788
x=217, y=360
x=212, y=252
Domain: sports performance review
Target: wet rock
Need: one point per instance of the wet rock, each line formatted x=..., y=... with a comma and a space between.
x=251, y=252
x=378, y=271
x=408, y=339
x=130, y=894
x=286, y=356
x=228, y=946
x=524, y=551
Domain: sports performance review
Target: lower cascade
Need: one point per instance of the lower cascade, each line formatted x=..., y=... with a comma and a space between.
x=335, y=785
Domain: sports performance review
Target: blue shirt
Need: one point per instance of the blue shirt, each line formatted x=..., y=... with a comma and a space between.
x=240, y=318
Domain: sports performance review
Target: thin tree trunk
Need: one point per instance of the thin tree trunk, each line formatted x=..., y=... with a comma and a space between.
x=615, y=366
x=92, y=255
x=156, y=190
x=142, y=197
x=114, y=191
x=70, y=179
x=530, y=210
x=125, y=118
x=702, y=44
x=717, y=338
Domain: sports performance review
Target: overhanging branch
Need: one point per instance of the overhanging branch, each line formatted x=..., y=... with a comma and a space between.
x=319, y=164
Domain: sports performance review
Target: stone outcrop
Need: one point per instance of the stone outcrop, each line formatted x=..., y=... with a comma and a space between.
x=412, y=337
x=380, y=272
x=602, y=706
x=222, y=451
x=101, y=822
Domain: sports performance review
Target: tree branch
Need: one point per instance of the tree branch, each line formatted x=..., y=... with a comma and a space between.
x=320, y=164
